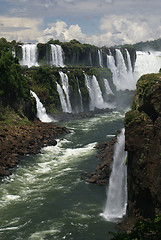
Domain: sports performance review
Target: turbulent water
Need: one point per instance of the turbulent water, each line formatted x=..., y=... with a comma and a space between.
x=45, y=198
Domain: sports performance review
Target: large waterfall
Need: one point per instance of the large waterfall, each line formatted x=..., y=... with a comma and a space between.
x=117, y=190
x=29, y=55
x=57, y=55
x=147, y=62
x=41, y=111
x=96, y=98
x=123, y=76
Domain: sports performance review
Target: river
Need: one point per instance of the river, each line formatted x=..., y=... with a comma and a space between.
x=45, y=198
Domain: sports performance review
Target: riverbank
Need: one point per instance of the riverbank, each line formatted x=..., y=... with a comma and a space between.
x=20, y=140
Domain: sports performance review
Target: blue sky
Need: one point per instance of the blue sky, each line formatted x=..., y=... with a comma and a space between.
x=98, y=22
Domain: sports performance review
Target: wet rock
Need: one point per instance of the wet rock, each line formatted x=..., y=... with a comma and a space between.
x=18, y=141
x=102, y=172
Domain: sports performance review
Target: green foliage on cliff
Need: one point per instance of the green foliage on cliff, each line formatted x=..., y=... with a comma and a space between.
x=13, y=85
x=148, y=45
x=15, y=101
x=143, y=230
x=43, y=83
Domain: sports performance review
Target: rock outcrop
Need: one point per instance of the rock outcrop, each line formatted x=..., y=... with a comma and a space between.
x=143, y=144
x=101, y=174
x=17, y=141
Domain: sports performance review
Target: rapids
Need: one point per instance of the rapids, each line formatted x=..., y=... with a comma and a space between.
x=44, y=198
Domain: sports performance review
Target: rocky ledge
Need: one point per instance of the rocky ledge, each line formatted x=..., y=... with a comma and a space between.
x=16, y=141
x=143, y=144
x=101, y=174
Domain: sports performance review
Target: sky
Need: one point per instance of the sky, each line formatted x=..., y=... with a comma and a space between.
x=97, y=22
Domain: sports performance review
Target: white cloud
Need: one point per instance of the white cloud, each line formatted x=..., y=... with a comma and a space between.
x=59, y=30
x=20, y=29
x=114, y=30
x=129, y=30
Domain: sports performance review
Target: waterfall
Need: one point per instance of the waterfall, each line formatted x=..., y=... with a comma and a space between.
x=90, y=59
x=29, y=55
x=117, y=190
x=147, y=62
x=41, y=111
x=80, y=97
x=100, y=58
x=96, y=98
x=112, y=66
x=107, y=87
x=57, y=55
x=62, y=98
x=65, y=87
x=123, y=77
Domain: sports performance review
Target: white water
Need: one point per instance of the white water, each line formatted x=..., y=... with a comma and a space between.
x=29, y=55
x=80, y=97
x=96, y=98
x=65, y=87
x=100, y=58
x=41, y=111
x=62, y=98
x=123, y=77
x=57, y=55
x=147, y=62
x=117, y=190
x=107, y=87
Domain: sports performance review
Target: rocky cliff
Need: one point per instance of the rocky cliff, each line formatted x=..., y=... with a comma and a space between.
x=143, y=144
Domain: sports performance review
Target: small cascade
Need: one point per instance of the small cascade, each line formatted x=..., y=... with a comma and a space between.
x=147, y=62
x=62, y=98
x=128, y=62
x=57, y=56
x=29, y=55
x=90, y=59
x=65, y=87
x=96, y=98
x=107, y=87
x=41, y=111
x=80, y=97
x=100, y=58
x=117, y=190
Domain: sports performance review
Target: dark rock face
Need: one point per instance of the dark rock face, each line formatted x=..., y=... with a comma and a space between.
x=143, y=143
x=17, y=141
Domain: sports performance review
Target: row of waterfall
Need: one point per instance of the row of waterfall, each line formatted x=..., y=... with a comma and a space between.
x=124, y=77
x=30, y=55
x=101, y=95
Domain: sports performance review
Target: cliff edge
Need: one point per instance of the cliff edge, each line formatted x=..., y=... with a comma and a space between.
x=143, y=144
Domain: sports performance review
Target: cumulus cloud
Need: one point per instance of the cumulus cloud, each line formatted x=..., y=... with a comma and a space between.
x=128, y=30
x=114, y=30
x=61, y=31
x=20, y=29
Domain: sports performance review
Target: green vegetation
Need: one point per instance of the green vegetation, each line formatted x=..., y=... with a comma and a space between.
x=143, y=230
x=149, y=45
x=15, y=100
x=13, y=85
